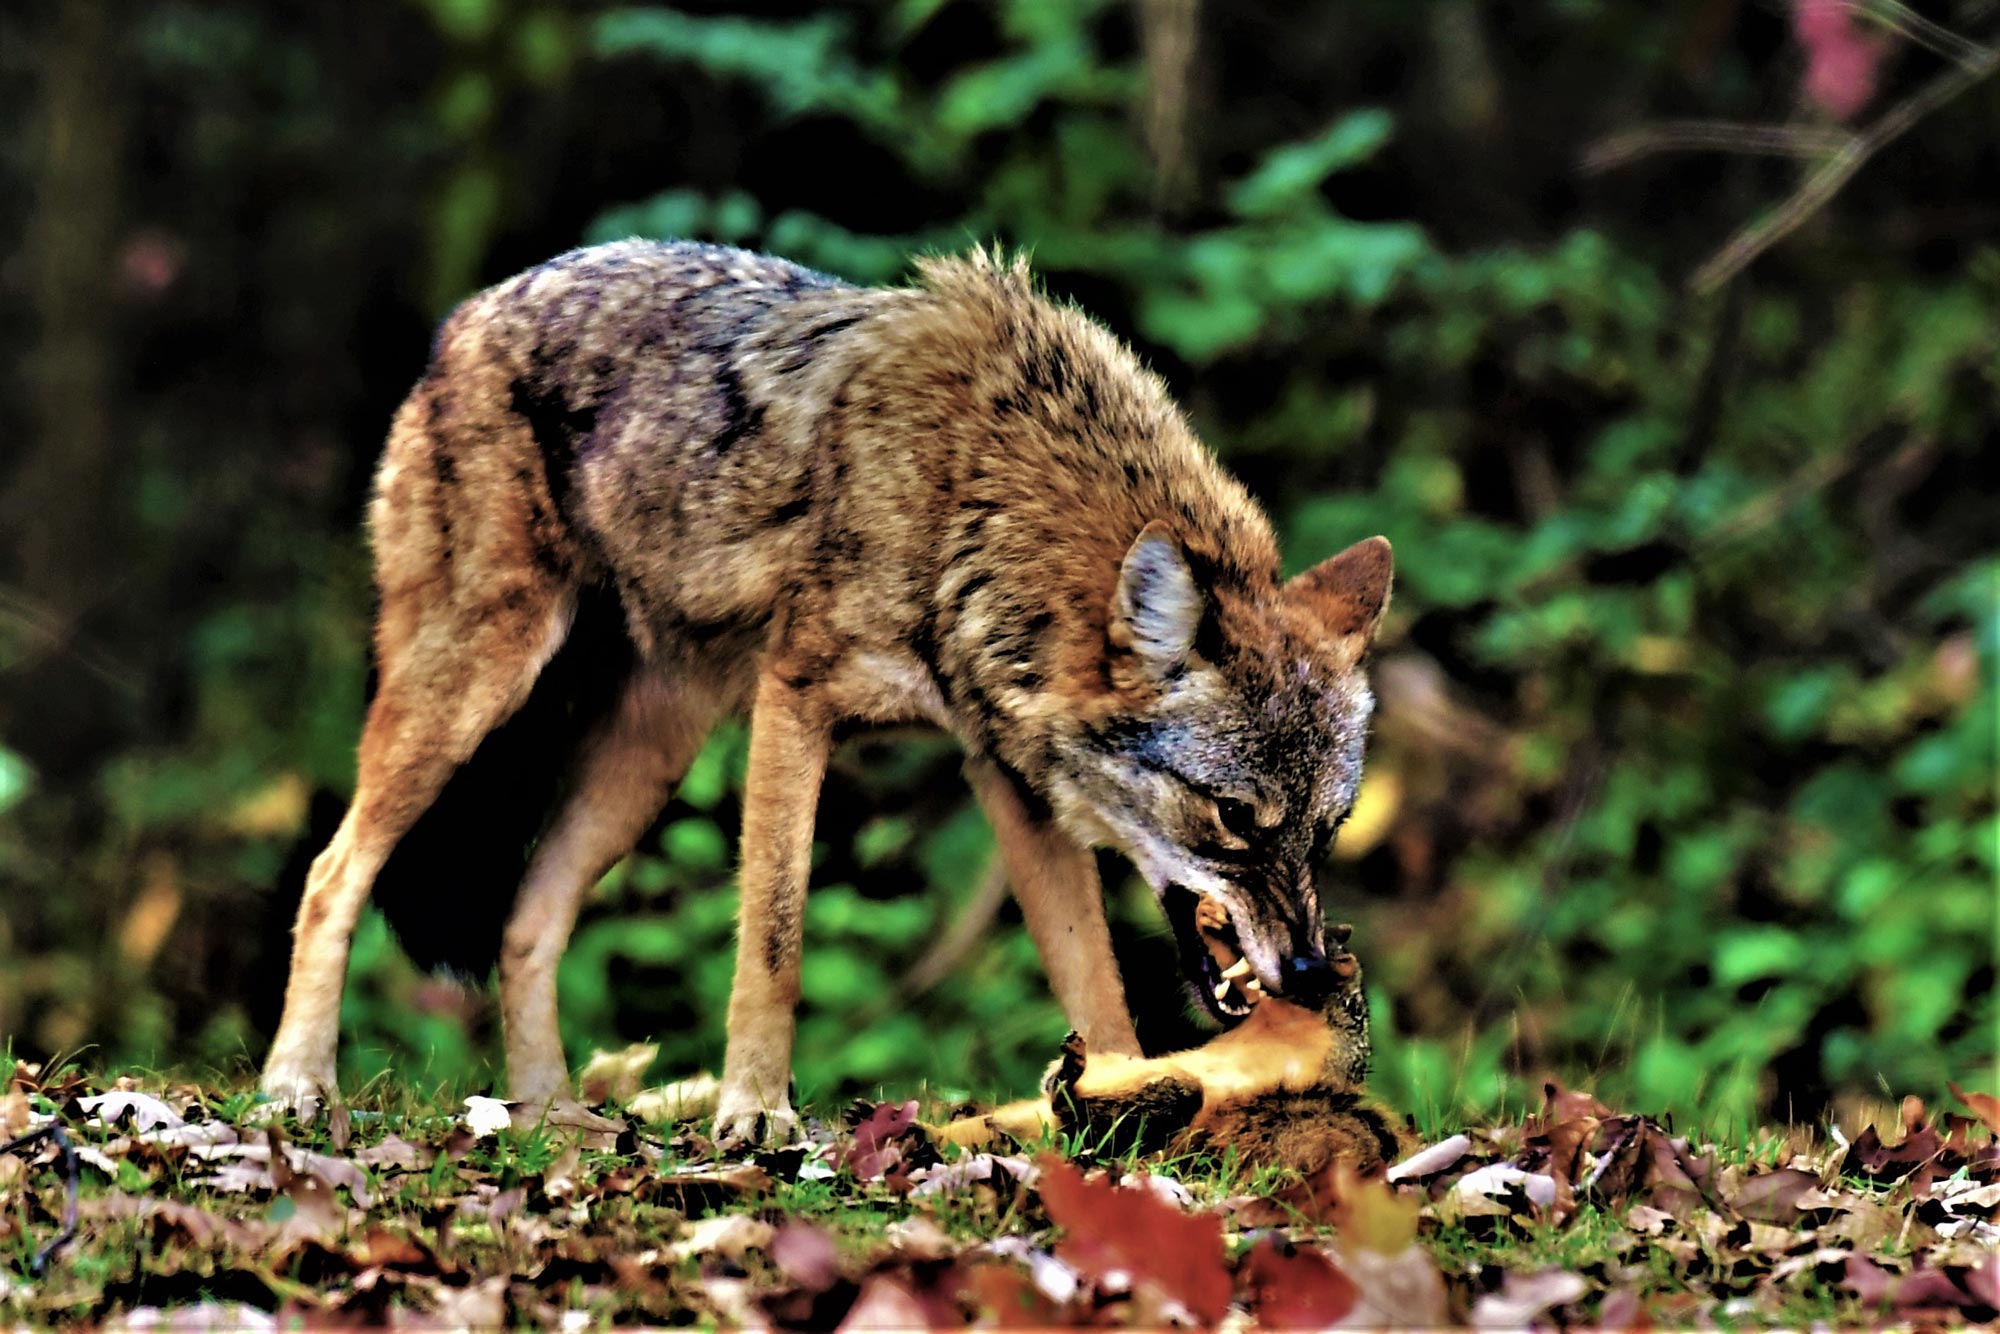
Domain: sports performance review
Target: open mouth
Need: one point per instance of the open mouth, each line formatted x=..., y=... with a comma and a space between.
x=1211, y=955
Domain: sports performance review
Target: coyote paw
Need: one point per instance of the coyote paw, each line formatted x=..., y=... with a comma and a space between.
x=745, y=1123
x=290, y=1092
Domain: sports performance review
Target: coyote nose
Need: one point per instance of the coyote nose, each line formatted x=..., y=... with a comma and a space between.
x=1309, y=979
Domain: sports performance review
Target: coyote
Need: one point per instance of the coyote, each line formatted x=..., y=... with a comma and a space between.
x=645, y=486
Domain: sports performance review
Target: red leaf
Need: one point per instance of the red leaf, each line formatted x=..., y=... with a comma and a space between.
x=1293, y=1289
x=1109, y=1230
x=1009, y=1298
x=874, y=1150
x=807, y=1256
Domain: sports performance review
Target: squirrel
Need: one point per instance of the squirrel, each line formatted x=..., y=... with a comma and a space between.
x=1283, y=1087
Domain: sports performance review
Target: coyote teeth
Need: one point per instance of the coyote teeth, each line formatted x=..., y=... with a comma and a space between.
x=1255, y=986
x=1235, y=970
x=1221, y=990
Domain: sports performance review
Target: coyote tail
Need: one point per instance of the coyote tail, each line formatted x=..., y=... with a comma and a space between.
x=450, y=884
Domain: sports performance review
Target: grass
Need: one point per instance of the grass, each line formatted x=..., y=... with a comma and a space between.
x=160, y=1229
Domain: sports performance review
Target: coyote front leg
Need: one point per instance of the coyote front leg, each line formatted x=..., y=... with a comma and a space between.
x=1055, y=881
x=789, y=738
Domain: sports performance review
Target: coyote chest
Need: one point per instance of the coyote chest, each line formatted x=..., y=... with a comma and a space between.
x=642, y=487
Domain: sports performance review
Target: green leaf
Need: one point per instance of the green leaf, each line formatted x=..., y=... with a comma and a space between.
x=1747, y=953
x=17, y=779
x=696, y=844
x=1291, y=175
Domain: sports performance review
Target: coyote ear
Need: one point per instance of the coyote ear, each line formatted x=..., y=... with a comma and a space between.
x=1350, y=591
x=1156, y=609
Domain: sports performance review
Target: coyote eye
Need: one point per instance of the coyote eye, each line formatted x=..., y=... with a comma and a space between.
x=1238, y=817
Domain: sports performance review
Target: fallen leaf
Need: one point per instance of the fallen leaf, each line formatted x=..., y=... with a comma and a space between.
x=919, y=1237
x=730, y=1236
x=1522, y=1297
x=986, y=1169
x=1622, y=1309
x=1440, y=1157
x=700, y=1190
x=1051, y=1277
x=615, y=1076
x=1867, y=1280
x=1647, y=1221
x=394, y=1152
x=479, y=1305
x=1982, y=1105
x=689, y=1099
x=559, y=1177
x=874, y=1149
x=806, y=1256
x=141, y=1111
x=1008, y=1298
x=485, y=1117
x=1108, y=1229
x=885, y=1303
x=1772, y=1197
x=1287, y=1287
x=1497, y=1181
x=1404, y=1290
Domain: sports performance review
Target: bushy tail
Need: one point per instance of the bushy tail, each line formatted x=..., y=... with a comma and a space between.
x=450, y=884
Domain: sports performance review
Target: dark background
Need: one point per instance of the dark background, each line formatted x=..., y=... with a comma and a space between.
x=1683, y=784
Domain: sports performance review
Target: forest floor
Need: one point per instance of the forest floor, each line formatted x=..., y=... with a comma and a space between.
x=189, y=1212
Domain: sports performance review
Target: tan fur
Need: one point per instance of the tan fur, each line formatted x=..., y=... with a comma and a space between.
x=1284, y=1087
x=835, y=506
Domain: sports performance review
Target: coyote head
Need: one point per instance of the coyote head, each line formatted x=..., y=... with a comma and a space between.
x=1231, y=752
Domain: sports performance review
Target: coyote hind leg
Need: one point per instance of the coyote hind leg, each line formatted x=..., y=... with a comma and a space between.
x=435, y=704
x=627, y=771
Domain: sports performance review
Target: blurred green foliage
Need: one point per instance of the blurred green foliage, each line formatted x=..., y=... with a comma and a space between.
x=1684, y=779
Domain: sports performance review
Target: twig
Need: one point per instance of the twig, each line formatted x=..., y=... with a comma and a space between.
x=1907, y=22
x=963, y=935
x=72, y=1179
x=1837, y=170
x=1717, y=136
x=53, y=633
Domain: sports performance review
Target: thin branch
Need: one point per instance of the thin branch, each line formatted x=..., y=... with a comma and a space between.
x=1716, y=136
x=1907, y=22
x=50, y=633
x=964, y=934
x=1827, y=179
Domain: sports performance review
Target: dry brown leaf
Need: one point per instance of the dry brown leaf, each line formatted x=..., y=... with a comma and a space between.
x=886, y=1303
x=1770, y=1197
x=1982, y=1105
x=615, y=1076
x=1404, y=1290
x=730, y=1236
